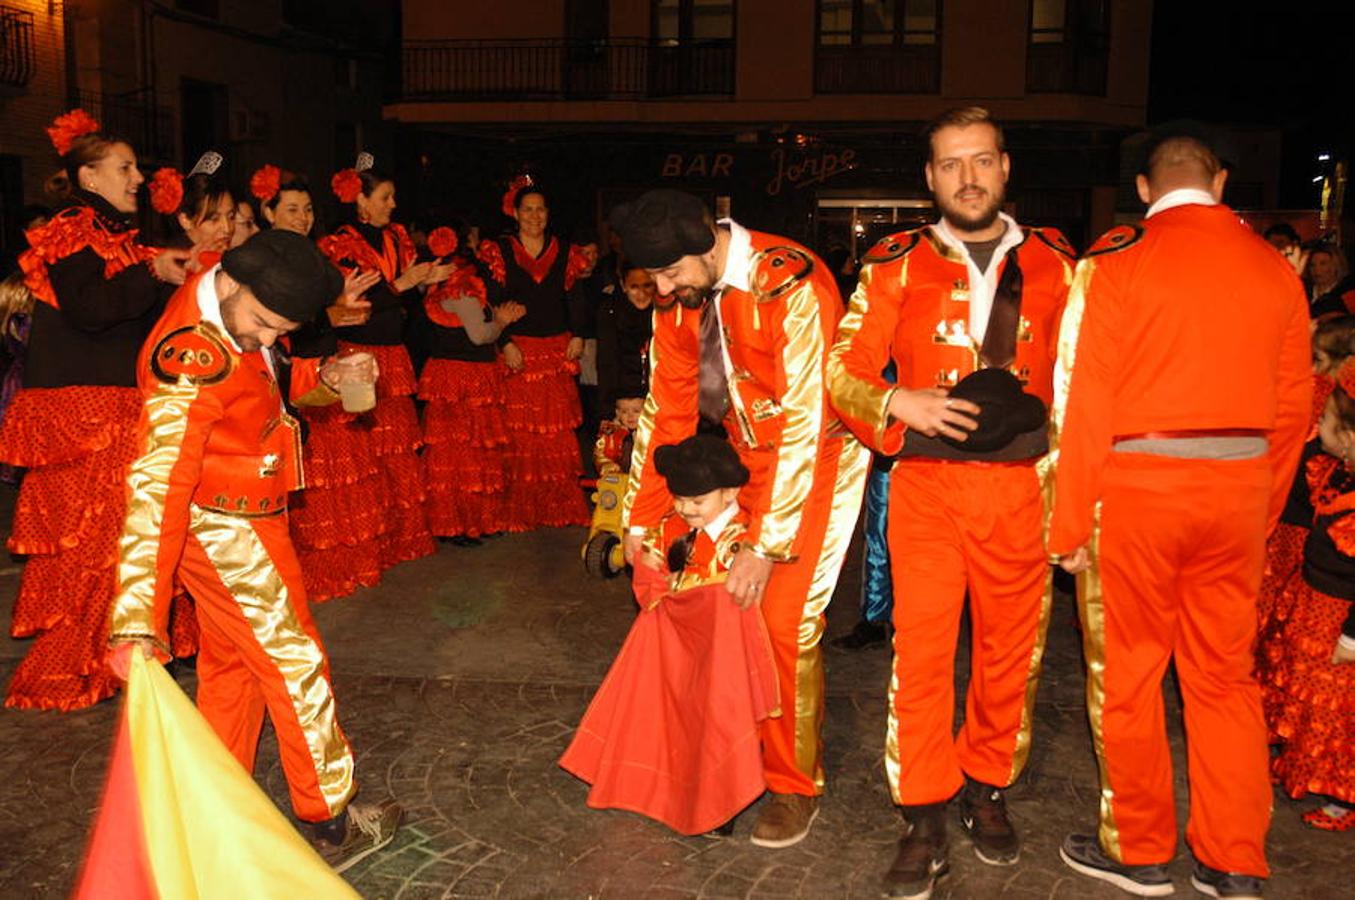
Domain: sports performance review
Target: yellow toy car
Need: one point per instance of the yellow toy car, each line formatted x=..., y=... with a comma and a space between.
x=603, y=555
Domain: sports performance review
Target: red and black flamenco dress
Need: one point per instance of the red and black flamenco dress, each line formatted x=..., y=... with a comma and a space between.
x=465, y=438
x=1309, y=700
x=544, y=460
x=74, y=427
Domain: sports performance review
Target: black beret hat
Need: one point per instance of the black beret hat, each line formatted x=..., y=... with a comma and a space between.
x=700, y=464
x=286, y=272
x=661, y=227
x=1005, y=411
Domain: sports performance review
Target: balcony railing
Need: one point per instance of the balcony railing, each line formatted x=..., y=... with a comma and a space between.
x=16, y=46
x=134, y=116
x=911, y=69
x=1075, y=66
x=565, y=70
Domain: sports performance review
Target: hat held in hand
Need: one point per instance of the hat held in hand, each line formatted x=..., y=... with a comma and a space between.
x=700, y=464
x=1005, y=410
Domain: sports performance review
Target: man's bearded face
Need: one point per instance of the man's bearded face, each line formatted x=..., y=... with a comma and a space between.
x=968, y=175
x=690, y=281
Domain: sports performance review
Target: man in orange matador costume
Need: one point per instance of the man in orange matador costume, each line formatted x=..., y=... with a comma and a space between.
x=1186, y=356
x=207, y=502
x=968, y=310
x=741, y=341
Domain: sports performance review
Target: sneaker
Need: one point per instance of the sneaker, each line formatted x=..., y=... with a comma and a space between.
x=865, y=634
x=1214, y=883
x=371, y=826
x=784, y=820
x=922, y=857
x=720, y=832
x=1332, y=817
x=983, y=816
x=1082, y=853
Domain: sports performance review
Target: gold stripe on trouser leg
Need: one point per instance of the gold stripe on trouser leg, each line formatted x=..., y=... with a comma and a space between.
x=1091, y=606
x=246, y=569
x=848, y=487
x=893, y=768
x=1021, y=752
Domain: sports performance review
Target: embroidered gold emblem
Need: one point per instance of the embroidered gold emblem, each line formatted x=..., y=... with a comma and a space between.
x=765, y=408
x=271, y=462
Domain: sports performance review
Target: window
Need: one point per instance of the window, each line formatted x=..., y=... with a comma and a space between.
x=867, y=23
x=1069, y=46
x=680, y=21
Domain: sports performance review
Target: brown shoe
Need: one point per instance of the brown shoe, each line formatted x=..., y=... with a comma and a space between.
x=784, y=820
x=371, y=826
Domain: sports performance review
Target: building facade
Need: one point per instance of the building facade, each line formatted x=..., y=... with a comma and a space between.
x=796, y=116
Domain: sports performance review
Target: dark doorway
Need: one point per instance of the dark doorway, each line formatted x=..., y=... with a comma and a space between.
x=205, y=109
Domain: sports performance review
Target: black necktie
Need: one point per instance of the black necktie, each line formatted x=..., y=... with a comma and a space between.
x=999, y=340
x=713, y=396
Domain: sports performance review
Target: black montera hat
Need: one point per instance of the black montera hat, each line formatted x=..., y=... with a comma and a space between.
x=286, y=272
x=700, y=464
x=661, y=227
x=1005, y=411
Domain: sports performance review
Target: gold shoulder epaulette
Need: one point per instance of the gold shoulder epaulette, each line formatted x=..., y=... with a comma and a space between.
x=891, y=248
x=1118, y=238
x=191, y=352
x=1054, y=239
x=777, y=270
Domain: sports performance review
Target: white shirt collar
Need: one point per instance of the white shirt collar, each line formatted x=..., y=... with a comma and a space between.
x=738, y=260
x=1180, y=197
x=982, y=284
x=716, y=525
x=1010, y=238
x=209, y=305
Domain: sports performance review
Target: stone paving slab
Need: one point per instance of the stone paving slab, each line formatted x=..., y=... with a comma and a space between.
x=460, y=678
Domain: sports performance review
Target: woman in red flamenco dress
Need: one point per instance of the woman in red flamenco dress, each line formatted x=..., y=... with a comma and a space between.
x=338, y=520
x=1308, y=675
x=465, y=440
x=373, y=243
x=73, y=424
x=541, y=352
x=673, y=731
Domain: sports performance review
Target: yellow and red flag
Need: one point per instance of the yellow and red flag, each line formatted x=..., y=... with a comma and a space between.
x=181, y=819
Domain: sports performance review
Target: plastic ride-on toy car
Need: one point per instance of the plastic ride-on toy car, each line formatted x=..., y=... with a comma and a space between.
x=603, y=555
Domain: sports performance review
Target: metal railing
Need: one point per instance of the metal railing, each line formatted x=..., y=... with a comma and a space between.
x=1076, y=65
x=910, y=69
x=16, y=46
x=136, y=117
x=550, y=69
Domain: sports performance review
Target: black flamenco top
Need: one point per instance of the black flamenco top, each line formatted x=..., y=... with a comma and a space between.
x=547, y=285
x=1323, y=500
x=389, y=251
x=97, y=298
x=624, y=332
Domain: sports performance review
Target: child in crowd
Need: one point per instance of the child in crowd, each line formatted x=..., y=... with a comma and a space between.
x=672, y=733
x=612, y=451
x=1306, y=653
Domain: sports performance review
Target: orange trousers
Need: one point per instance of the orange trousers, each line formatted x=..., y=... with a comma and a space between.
x=793, y=604
x=260, y=651
x=1176, y=572
x=955, y=527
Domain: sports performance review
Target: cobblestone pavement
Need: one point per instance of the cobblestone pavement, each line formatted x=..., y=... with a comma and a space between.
x=459, y=680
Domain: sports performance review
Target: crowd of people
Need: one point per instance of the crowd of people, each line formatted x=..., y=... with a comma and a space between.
x=212, y=431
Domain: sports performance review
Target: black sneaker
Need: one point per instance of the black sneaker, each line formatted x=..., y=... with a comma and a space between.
x=865, y=634
x=720, y=832
x=922, y=856
x=983, y=816
x=1082, y=853
x=1215, y=883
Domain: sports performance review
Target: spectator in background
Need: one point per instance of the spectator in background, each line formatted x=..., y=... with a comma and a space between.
x=1281, y=236
x=624, y=324
x=1327, y=278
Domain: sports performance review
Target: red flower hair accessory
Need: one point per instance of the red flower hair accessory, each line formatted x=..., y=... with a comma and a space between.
x=1345, y=378
x=346, y=185
x=265, y=183
x=66, y=128
x=166, y=190
x=442, y=241
x=511, y=195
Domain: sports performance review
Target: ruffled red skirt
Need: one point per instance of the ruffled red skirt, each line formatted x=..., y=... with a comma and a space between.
x=76, y=443
x=1284, y=563
x=1309, y=700
x=338, y=520
x=544, y=461
x=673, y=732
x=396, y=439
x=465, y=443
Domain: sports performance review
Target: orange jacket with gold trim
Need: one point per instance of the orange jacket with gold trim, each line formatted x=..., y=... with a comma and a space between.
x=911, y=305
x=610, y=446
x=777, y=336
x=708, y=560
x=1190, y=322
x=215, y=437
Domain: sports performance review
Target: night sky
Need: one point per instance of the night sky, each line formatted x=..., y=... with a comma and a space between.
x=1291, y=67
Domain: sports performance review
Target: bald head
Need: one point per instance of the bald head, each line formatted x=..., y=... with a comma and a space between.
x=1181, y=162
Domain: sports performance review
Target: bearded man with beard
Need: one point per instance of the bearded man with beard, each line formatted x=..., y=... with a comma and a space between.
x=742, y=329
x=969, y=304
